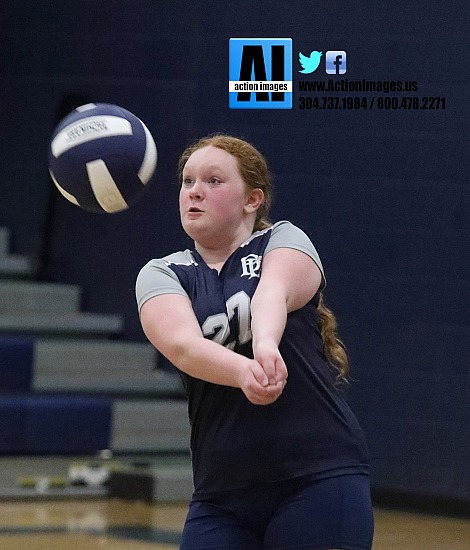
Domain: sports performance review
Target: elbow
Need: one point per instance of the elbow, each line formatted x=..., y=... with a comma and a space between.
x=177, y=354
x=182, y=354
x=175, y=349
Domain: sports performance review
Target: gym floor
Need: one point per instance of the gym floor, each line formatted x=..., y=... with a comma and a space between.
x=120, y=525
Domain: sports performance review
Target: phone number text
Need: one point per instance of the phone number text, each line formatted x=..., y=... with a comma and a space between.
x=374, y=102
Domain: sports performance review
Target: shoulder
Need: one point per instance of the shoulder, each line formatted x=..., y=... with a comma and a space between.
x=163, y=265
x=286, y=229
x=280, y=230
x=158, y=276
x=183, y=257
x=285, y=234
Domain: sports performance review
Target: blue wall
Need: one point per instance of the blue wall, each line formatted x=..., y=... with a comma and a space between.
x=383, y=194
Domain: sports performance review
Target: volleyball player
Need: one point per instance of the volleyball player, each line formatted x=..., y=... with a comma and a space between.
x=279, y=459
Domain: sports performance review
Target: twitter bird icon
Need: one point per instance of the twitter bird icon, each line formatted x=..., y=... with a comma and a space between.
x=309, y=64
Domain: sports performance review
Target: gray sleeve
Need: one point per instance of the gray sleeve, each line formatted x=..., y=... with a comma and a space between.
x=154, y=279
x=286, y=235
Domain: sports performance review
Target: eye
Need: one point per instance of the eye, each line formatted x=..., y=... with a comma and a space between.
x=214, y=182
x=187, y=182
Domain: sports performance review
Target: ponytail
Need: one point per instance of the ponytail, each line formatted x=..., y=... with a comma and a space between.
x=334, y=348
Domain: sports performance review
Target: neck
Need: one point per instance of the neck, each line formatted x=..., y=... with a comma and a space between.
x=215, y=255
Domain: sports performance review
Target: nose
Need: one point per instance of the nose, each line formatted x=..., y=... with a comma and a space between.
x=196, y=190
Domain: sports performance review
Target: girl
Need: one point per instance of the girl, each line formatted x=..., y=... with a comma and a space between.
x=279, y=459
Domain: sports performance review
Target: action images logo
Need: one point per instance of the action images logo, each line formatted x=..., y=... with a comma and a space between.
x=260, y=73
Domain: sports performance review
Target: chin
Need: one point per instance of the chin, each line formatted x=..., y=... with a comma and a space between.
x=194, y=230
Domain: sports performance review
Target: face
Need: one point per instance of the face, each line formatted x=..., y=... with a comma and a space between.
x=215, y=203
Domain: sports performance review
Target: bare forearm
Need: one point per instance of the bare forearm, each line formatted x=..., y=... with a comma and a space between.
x=208, y=361
x=269, y=315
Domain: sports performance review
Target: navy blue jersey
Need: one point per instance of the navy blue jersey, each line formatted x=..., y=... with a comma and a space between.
x=310, y=429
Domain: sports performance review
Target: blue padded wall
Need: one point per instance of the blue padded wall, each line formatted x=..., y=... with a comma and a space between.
x=67, y=425
x=54, y=425
x=16, y=363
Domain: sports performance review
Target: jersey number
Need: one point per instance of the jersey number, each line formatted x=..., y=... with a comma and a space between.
x=218, y=326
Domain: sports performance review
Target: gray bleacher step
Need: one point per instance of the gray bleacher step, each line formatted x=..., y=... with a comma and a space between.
x=83, y=325
x=170, y=477
x=159, y=425
x=4, y=241
x=12, y=265
x=15, y=266
x=172, y=484
x=158, y=483
x=22, y=296
x=100, y=366
x=72, y=493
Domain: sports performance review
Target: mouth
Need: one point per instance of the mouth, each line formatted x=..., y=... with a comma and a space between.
x=194, y=209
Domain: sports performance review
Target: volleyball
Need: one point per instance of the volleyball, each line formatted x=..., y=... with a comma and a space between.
x=102, y=158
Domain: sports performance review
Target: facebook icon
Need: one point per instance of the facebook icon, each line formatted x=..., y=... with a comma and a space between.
x=335, y=62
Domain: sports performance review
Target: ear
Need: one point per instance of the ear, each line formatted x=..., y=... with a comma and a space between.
x=254, y=200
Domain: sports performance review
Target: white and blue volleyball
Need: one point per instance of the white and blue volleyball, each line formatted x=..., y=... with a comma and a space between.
x=102, y=157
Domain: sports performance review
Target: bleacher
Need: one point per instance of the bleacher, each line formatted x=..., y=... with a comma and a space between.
x=72, y=391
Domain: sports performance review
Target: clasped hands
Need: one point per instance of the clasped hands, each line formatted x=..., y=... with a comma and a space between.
x=265, y=376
